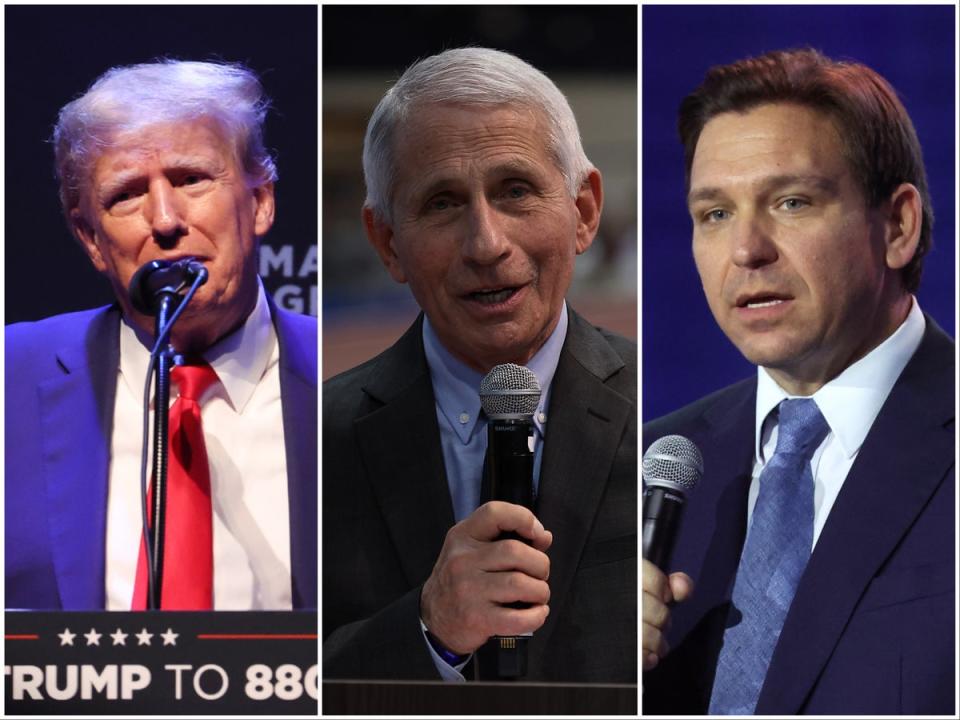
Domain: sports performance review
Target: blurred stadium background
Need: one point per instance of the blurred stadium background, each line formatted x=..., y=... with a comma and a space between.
x=591, y=54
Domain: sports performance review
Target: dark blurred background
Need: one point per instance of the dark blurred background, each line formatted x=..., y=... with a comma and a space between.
x=590, y=52
x=685, y=355
x=53, y=53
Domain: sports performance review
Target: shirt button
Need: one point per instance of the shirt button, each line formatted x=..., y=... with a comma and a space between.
x=464, y=418
x=542, y=417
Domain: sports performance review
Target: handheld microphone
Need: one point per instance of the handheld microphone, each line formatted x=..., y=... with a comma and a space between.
x=509, y=395
x=672, y=466
x=157, y=278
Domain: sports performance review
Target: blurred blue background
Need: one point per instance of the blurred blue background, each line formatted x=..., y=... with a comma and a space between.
x=685, y=355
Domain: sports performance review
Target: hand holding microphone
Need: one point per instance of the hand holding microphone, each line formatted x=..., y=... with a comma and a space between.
x=491, y=577
x=463, y=600
x=672, y=466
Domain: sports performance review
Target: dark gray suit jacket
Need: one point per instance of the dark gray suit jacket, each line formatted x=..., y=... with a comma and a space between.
x=387, y=508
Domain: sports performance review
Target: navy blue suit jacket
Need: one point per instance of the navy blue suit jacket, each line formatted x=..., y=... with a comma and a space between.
x=871, y=628
x=61, y=381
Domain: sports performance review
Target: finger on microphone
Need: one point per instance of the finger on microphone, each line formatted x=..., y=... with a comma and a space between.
x=495, y=517
x=681, y=586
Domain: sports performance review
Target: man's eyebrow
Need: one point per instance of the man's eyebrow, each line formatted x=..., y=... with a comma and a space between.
x=444, y=181
x=119, y=179
x=705, y=193
x=768, y=184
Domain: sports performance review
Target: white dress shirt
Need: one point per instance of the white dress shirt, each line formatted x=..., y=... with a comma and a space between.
x=243, y=432
x=849, y=403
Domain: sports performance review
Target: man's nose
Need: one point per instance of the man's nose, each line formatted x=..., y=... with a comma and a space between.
x=485, y=242
x=753, y=244
x=164, y=212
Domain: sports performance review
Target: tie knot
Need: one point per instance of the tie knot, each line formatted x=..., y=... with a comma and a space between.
x=193, y=380
x=801, y=428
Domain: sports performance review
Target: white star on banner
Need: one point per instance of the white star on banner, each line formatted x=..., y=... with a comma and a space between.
x=119, y=637
x=66, y=637
x=169, y=637
x=93, y=637
x=143, y=637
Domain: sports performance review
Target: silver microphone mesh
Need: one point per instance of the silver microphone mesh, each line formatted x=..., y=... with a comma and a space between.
x=673, y=462
x=509, y=391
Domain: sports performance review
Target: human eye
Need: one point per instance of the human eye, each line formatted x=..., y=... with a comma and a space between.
x=714, y=215
x=120, y=200
x=792, y=204
x=193, y=178
x=517, y=191
x=439, y=203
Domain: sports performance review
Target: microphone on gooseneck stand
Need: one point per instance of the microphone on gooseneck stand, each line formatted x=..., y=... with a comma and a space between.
x=509, y=395
x=155, y=291
x=672, y=466
x=159, y=278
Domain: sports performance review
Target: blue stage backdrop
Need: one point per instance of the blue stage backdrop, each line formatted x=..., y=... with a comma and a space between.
x=685, y=355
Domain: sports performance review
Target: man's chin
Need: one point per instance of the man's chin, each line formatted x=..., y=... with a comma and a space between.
x=770, y=352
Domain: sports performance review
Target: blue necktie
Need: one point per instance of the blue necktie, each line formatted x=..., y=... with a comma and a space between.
x=774, y=557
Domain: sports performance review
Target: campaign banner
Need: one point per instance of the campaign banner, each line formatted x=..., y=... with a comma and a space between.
x=161, y=663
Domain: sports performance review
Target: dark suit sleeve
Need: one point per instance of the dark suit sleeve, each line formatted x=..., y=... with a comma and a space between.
x=385, y=645
x=375, y=554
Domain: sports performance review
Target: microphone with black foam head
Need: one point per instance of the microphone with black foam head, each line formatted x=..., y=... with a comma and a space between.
x=163, y=278
x=509, y=395
x=672, y=467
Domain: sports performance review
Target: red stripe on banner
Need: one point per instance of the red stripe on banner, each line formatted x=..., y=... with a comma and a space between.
x=21, y=637
x=227, y=636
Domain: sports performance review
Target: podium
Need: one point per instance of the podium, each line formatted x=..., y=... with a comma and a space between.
x=161, y=663
x=360, y=697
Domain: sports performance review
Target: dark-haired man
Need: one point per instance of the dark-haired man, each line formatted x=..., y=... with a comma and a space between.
x=820, y=541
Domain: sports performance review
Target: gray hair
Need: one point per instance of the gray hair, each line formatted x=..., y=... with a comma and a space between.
x=138, y=96
x=468, y=76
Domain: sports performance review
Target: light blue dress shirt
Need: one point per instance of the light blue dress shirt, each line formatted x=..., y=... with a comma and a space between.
x=463, y=431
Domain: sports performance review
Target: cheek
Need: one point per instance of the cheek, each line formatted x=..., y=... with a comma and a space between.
x=119, y=239
x=707, y=267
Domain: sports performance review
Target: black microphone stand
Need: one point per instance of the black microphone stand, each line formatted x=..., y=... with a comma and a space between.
x=154, y=290
x=165, y=360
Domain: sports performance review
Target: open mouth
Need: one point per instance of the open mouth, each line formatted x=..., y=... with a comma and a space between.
x=493, y=297
x=755, y=302
x=763, y=303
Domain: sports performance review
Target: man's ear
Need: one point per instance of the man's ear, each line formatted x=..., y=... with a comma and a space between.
x=380, y=235
x=903, y=222
x=264, y=208
x=87, y=237
x=589, y=203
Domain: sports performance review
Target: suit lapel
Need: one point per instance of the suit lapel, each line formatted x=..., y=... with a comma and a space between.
x=76, y=411
x=907, y=454
x=399, y=442
x=709, y=544
x=586, y=423
x=715, y=553
x=298, y=390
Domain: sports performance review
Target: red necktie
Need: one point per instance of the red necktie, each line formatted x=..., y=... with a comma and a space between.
x=188, y=547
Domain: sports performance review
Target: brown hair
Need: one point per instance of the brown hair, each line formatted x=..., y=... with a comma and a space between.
x=879, y=140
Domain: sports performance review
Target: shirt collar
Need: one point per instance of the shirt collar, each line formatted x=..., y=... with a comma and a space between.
x=456, y=386
x=240, y=359
x=851, y=401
